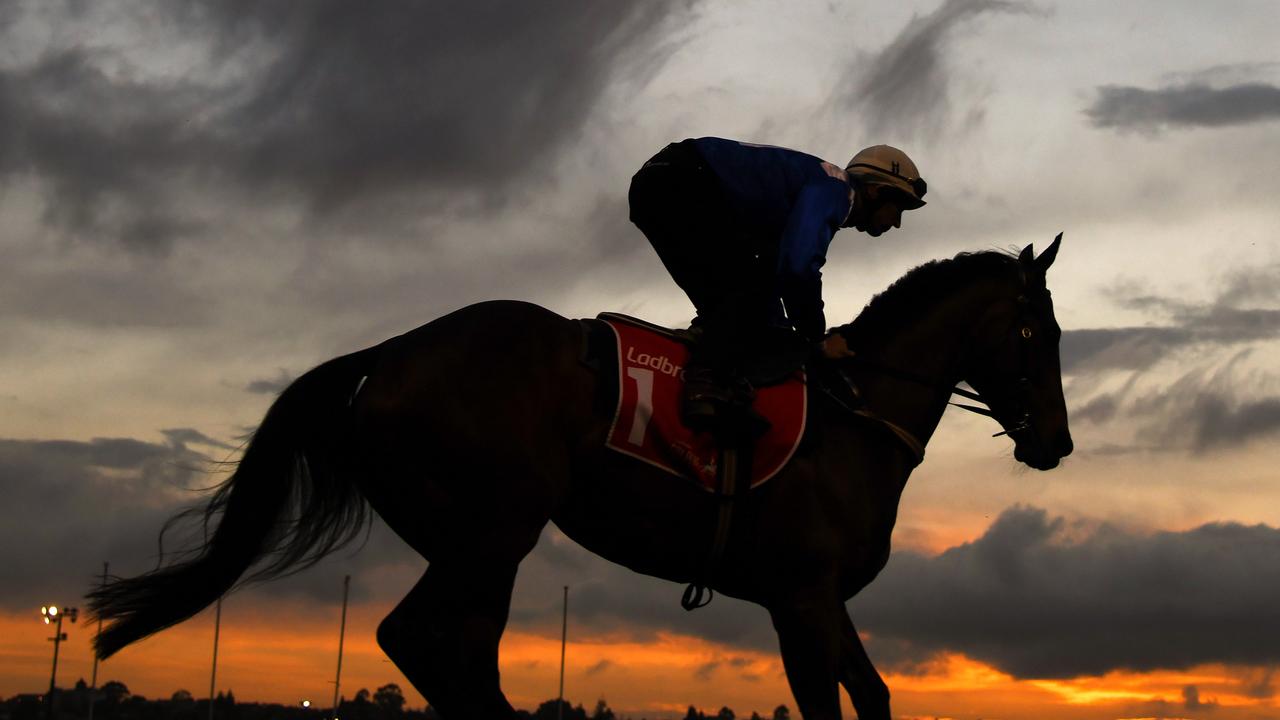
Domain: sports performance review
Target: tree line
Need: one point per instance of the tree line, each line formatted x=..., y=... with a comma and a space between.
x=113, y=701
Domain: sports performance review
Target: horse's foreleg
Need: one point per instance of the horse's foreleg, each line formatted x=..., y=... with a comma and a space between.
x=866, y=689
x=444, y=637
x=809, y=636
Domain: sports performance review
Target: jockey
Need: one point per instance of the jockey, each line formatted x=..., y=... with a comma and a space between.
x=744, y=230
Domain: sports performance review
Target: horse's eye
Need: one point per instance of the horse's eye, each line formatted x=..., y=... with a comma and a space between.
x=1026, y=332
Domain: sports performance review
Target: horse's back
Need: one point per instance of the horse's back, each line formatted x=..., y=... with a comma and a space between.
x=479, y=359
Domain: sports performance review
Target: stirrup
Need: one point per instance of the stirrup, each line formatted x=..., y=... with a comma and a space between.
x=692, y=598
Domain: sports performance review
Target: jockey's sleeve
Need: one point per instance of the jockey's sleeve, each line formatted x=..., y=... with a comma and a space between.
x=802, y=251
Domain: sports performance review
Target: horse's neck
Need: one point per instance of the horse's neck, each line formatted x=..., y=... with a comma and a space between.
x=928, y=347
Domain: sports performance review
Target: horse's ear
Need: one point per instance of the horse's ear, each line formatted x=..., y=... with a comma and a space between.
x=1027, y=257
x=1047, y=257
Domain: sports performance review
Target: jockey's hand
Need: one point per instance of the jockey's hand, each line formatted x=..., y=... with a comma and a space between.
x=834, y=347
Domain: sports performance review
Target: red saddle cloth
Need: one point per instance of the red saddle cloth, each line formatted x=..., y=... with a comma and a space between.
x=647, y=426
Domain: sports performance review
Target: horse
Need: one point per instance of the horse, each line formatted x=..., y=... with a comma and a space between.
x=468, y=434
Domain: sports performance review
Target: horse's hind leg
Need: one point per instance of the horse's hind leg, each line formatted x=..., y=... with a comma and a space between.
x=444, y=637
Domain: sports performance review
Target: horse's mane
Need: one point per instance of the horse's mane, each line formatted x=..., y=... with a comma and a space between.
x=910, y=295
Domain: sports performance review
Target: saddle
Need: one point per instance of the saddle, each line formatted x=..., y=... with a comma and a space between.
x=643, y=367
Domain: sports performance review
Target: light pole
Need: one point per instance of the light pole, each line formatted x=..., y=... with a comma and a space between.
x=213, y=674
x=53, y=616
x=93, y=684
x=564, y=637
x=342, y=634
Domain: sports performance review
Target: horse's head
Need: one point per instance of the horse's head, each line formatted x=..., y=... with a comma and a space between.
x=1016, y=369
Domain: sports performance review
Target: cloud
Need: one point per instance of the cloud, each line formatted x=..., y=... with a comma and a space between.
x=180, y=437
x=328, y=103
x=107, y=149
x=1210, y=407
x=71, y=505
x=271, y=386
x=905, y=88
x=1205, y=409
x=102, y=297
x=1183, y=106
x=1230, y=318
x=1040, y=597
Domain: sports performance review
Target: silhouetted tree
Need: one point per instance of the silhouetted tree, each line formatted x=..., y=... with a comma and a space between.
x=602, y=711
x=756, y=716
x=694, y=714
x=362, y=695
x=725, y=714
x=390, y=699
x=182, y=696
x=114, y=692
x=781, y=713
x=547, y=711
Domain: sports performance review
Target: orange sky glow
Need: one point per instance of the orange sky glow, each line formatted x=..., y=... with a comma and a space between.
x=288, y=658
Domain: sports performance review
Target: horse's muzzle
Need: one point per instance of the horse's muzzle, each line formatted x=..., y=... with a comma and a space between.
x=1035, y=452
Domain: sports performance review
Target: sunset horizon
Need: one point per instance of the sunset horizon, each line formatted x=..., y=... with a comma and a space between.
x=263, y=659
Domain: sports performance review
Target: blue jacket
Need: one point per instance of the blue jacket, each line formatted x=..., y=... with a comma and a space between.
x=792, y=204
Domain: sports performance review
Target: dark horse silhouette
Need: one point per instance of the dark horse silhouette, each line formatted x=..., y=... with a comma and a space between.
x=470, y=433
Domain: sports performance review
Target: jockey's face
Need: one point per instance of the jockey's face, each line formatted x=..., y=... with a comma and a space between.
x=877, y=212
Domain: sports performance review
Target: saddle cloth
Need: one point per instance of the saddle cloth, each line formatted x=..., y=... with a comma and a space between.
x=646, y=421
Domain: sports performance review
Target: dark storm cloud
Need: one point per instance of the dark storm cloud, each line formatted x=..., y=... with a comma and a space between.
x=1231, y=318
x=333, y=103
x=906, y=86
x=106, y=149
x=366, y=98
x=1183, y=106
x=69, y=506
x=1035, y=604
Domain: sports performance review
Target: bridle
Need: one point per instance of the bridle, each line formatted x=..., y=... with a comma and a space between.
x=1021, y=409
x=1021, y=383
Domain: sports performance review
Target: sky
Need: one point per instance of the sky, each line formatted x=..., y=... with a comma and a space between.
x=199, y=201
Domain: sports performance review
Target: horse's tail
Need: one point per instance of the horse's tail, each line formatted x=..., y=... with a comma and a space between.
x=289, y=503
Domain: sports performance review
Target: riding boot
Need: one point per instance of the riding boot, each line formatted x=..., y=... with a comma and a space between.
x=706, y=394
x=720, y=401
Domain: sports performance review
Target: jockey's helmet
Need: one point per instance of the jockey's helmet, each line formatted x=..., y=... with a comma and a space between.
x=888, y=166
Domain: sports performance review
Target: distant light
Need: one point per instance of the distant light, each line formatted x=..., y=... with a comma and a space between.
x=44, y=610
x=53, y=609
x=46, y=619
x=306, y=703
